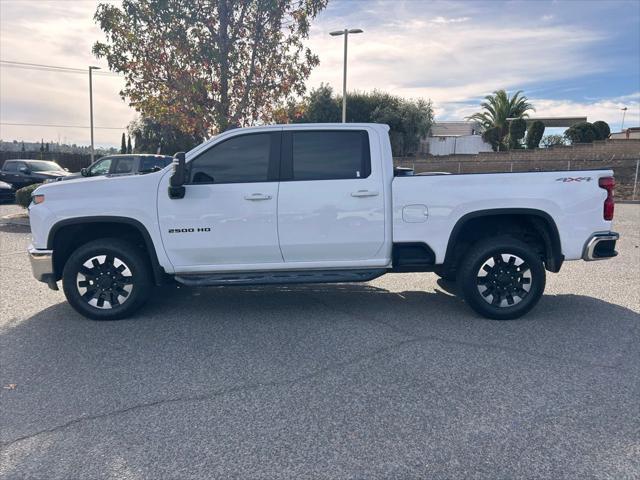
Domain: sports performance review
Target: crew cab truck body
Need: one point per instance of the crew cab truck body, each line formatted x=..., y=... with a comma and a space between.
x=314, y=203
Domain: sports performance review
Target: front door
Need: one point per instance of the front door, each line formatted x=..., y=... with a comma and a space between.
x=331, y=201
x=228, y=216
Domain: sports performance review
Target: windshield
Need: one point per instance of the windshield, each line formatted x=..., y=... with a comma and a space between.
x=45, y=167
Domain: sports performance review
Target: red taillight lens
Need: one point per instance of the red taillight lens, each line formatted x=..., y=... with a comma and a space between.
x=609, y=184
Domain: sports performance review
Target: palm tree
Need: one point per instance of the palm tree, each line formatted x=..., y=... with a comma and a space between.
x=498, y=107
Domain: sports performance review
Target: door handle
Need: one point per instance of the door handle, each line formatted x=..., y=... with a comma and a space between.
x=257, y=196
x=364, y=193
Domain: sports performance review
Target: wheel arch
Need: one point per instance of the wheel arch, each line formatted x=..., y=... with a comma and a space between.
x=541, y=221
x=68, y=234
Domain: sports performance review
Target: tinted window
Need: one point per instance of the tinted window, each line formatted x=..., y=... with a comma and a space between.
x=101, y=167
x=10, y=167
x=148, y=164
x=330, y=155
x=237, y=160
x=124, y=165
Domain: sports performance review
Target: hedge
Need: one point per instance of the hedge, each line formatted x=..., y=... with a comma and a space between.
x=23, y=196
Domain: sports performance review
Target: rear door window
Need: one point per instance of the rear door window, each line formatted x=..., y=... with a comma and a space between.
x=330, y=155
x=149, y=164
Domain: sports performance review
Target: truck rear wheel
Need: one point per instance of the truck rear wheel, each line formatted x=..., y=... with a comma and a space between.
x=107, y=279
x=501, y=278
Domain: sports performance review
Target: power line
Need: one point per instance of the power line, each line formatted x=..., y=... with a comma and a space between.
x=58, y=126
x=52, y=68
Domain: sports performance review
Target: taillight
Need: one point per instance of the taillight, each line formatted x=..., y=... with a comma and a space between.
x=609, y=184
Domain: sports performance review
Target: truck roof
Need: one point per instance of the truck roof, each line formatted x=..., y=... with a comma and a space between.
x=288, y=126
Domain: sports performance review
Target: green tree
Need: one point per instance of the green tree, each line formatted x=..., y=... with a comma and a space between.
x=534, y=134
x=123, y=144
x=129, y=149
x=23, y=195
x=493, y=136
x=517, y=129
x=498, y=108
x=151, y=136
x=583, y=132
x=320, y=106
x=408, y=120
x=602, y=129
x=203, y=66
x=553, y=140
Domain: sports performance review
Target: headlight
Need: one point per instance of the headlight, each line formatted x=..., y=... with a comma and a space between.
x=37, y=199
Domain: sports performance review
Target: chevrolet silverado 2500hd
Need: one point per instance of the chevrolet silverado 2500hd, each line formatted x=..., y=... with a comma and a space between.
x=313, y=203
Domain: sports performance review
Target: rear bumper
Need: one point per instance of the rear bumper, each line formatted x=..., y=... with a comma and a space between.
x=42, y=265
x=600, y=246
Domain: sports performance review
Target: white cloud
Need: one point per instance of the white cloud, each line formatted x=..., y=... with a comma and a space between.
x=444, y=20
x=452, y=62
x=453, y=53
x=607, y=109
x=55, y=33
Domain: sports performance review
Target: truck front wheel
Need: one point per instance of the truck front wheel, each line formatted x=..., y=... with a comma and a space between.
x=501, y=278
x=107, y=279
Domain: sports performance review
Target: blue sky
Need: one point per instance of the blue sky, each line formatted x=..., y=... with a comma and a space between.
x=571, y=57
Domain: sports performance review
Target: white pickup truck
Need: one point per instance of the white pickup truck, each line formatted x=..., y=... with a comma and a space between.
x=313, y=203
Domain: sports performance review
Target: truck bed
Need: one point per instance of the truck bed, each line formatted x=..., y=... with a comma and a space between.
x=572, y=199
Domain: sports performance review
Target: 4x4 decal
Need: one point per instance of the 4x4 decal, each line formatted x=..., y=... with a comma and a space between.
x=573, y=179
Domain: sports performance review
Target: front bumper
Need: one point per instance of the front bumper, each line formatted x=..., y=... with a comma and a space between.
x=42, y=266
x=600, y=246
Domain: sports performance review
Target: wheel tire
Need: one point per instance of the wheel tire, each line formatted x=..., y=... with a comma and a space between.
x=112, y=274
x=494, y=275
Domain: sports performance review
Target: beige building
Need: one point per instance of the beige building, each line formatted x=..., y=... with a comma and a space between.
x=449, y=138
x=626, y=134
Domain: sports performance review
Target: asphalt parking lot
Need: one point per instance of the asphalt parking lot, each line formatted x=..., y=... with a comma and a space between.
x=396, y=378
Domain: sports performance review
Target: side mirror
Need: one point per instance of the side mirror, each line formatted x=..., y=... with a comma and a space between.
x=24, y=170
x=84, y=172
x=178, y=177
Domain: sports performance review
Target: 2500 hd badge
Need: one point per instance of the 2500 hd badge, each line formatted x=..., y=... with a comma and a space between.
x=189, y=230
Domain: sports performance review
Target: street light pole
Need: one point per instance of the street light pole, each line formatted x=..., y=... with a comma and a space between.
x=346, y=33
x=624, y=112
x=91, y=68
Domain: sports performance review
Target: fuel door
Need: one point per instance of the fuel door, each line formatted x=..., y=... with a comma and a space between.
x=415, y=213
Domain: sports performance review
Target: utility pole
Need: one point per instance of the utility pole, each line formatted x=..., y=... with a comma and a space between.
x=346, y=33
x=91, y=68
x=624, y=112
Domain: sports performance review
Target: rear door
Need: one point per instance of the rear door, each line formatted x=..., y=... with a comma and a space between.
x=331, y=201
